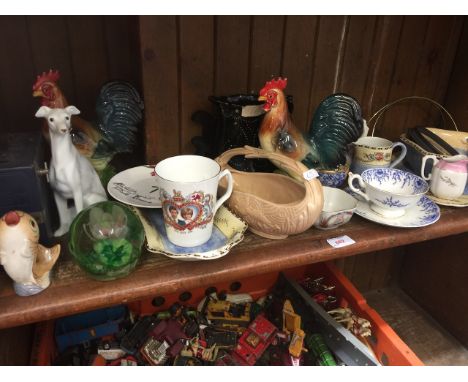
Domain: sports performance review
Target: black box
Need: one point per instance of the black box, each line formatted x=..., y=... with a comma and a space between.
x=24, y=186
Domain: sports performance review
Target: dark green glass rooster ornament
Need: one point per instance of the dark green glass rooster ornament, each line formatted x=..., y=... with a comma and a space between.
x=337, y=122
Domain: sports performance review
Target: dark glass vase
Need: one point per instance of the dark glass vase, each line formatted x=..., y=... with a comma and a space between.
x=235, y=124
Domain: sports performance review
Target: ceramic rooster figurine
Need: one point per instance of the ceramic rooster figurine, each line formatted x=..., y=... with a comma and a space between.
x=119, y=110
x=337, y=122
x=26, y=261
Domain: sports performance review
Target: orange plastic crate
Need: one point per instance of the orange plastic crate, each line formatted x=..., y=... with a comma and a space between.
x=387, y=345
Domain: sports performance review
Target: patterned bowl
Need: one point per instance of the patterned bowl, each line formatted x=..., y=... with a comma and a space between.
x=338, y=208
x=333, y=178
x=390, y=191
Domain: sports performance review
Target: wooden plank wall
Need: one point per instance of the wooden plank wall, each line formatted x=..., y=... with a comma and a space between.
x=88, y=51
x=184, y=59
x=377, y=59
x=375, y=270
x=436, y=279
x=457, y=92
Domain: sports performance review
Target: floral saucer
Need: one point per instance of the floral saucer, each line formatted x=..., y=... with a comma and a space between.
x=425, y=213
x=228, y=230
x=136, y=187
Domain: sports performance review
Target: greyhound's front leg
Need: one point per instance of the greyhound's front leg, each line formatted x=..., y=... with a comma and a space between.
x=64, y=214
x=78, y=198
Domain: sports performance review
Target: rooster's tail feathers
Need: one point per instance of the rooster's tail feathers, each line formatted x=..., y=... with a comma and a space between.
x=120, y=110
x=336, y=123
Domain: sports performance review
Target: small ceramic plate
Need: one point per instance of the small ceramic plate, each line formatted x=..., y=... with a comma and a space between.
x=136, y=187
x=425, y=213
x=228, y=230
x=462, y=201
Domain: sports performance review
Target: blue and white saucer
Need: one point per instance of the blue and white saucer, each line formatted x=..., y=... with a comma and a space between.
x=425, y=213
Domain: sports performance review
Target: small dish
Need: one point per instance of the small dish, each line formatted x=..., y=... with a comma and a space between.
x=136, y=187
x=333, y=178
x=425, y=213
x=338, y=208
x=228, y=231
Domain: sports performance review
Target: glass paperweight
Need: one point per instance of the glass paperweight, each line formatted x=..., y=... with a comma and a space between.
x=106, y=240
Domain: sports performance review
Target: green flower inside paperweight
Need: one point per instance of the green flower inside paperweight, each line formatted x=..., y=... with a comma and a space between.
x=106, y=240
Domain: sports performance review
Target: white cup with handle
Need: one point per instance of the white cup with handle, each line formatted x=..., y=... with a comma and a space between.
x=374, y=152
x=390, y=192
x=188, y=192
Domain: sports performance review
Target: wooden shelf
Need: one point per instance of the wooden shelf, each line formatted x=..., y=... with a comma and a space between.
x=72, y=291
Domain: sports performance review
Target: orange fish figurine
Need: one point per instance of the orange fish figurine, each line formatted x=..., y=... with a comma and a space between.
x=27, y=262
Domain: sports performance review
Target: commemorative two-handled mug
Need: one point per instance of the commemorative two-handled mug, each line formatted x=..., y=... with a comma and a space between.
x=188, y=192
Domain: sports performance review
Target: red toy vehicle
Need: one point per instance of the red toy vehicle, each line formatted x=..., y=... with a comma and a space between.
x=258, y=336
x=323, y=294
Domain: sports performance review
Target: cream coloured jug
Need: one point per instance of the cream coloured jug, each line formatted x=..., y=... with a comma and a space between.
x=448, y=177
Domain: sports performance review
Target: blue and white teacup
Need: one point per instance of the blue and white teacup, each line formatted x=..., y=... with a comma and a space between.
x=389, y=191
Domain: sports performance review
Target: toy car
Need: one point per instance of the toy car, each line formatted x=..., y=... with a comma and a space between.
x=323, y=295
x=220, y=338
x=85, y=327
x=292, y=327
x=199, y=349
x=166, y=340
x=254, y=341
x=226, y=359
x=132, y=341
x=110, y=350
x=228, y=315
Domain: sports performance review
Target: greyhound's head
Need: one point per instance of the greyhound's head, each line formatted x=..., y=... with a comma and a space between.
x=58, y=119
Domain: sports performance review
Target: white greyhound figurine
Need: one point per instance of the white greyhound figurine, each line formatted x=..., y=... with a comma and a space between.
x=71, y=175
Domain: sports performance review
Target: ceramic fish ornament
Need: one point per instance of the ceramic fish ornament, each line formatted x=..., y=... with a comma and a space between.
x=26, y=261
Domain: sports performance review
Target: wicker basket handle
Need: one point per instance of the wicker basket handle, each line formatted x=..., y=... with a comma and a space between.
x=252, y=152
x=379, y=113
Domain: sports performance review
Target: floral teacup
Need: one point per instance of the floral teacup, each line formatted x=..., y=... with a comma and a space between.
x=389, y=191
x=373, y=152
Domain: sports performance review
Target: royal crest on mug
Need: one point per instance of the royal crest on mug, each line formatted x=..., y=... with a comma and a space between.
x=188, y=191
x=188, y=212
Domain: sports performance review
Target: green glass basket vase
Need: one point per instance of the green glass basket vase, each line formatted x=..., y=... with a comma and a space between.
x=106, y=240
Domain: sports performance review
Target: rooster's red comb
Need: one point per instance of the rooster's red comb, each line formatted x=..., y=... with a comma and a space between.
x=276, y=83
x=50, y=76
